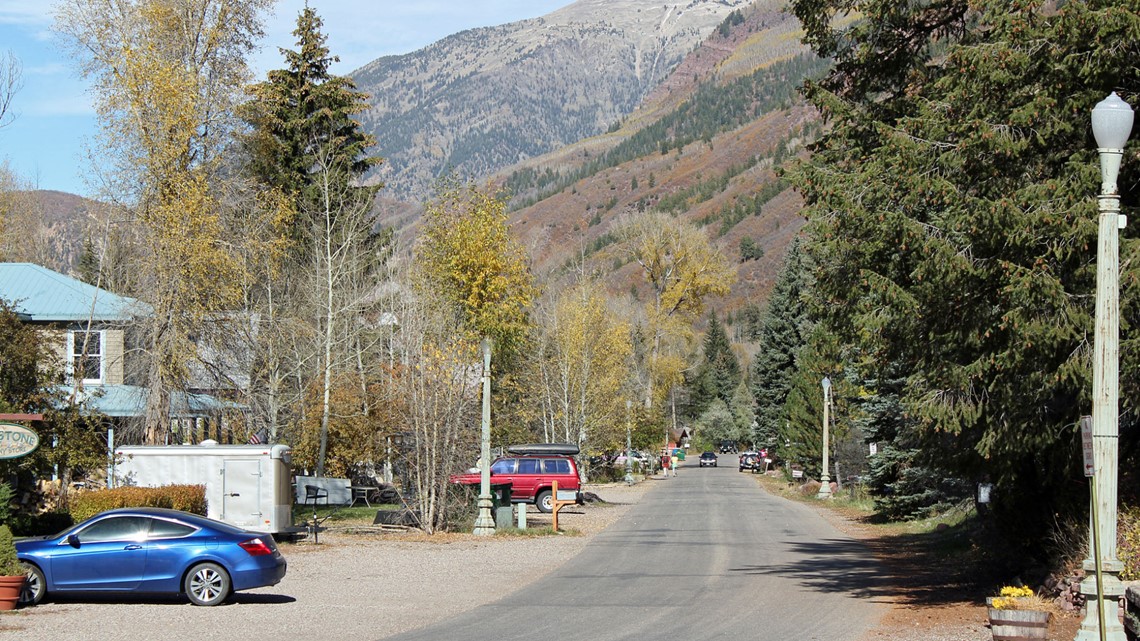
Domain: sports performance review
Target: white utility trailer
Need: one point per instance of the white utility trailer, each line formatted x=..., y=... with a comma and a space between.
x=246, y=485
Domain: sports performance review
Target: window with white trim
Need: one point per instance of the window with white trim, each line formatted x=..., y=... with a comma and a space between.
x=85, y=352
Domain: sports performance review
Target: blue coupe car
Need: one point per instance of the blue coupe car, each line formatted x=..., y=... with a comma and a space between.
x=150, y=550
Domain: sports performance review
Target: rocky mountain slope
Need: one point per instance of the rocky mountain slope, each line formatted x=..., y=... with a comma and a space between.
x=484, y=99
x=704, y=146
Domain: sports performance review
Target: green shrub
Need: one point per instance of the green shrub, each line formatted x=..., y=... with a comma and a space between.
x=9, y=564
x=188, y=498
x=5, y=502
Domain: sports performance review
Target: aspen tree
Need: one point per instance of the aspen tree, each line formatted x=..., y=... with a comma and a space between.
x=166, y=76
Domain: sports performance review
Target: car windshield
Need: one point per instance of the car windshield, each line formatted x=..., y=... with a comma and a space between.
x=503, y=466
x=116, y=528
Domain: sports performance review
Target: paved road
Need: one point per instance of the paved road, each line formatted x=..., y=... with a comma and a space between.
x=706, y=555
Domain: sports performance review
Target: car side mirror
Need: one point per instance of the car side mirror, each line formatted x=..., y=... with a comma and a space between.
x=73, y=540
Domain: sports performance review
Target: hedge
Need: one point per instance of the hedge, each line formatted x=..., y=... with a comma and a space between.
x=188, y=498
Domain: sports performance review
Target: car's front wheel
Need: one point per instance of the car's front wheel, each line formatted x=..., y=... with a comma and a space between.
x=34, y=586
x=207, y=584
x=544, y=502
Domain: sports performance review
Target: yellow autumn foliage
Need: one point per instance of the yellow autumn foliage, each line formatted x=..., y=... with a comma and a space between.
x=469, y=258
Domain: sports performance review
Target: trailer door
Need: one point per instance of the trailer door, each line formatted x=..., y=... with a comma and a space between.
x=241, y=489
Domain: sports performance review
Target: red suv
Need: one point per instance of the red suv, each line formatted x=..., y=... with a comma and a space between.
x=532, y=470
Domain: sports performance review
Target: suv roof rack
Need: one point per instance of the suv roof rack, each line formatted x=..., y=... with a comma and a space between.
x=564, y=449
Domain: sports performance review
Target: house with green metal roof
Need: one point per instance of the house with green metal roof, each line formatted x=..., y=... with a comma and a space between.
x=90, y=327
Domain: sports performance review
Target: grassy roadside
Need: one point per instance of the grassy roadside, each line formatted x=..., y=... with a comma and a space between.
x=930, y=562
x=939, y=571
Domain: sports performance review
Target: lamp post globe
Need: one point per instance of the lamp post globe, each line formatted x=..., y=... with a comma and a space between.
x=1112, y=124
x=824, y=478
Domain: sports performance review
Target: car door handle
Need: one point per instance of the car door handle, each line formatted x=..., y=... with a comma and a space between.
x=234, y=494
x=133, y=546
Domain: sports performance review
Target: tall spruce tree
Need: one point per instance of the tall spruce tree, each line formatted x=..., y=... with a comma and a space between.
x=953, y=212
x=302, y=112
x=305, y=147
x=783, y=332
x=719, y=371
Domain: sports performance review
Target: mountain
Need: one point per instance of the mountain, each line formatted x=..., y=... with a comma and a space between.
x=487, y=98
x=45, y=227
x=705, y=146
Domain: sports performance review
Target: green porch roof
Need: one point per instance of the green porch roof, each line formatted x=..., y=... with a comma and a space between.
x=130, y=400
x=41, y=295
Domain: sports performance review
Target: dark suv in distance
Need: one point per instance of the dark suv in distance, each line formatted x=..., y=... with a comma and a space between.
x=532, y=470
x=749, y=461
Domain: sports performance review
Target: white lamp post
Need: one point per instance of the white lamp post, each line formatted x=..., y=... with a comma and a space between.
x=1112, y=124
x=824, y=478
x=485, y=521
x=628, y=445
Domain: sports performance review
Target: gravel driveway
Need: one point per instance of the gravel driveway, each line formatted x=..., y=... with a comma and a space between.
x=351, y=586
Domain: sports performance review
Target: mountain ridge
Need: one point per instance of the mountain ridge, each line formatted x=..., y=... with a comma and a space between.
x=486, y=98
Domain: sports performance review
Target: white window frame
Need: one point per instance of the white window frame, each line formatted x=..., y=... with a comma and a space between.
x=102, y=356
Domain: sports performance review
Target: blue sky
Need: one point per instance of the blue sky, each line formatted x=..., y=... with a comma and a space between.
x=45, y=145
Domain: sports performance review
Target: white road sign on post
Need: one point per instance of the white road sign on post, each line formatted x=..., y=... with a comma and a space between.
x=1087, y=444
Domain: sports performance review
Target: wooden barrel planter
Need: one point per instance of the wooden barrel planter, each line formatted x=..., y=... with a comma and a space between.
x=1018, y=625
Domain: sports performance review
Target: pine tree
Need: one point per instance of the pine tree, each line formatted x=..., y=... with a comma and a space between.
x=951, y=208
x=719, y=371
x=305, y=149
x=302, y=113
x=783, y=333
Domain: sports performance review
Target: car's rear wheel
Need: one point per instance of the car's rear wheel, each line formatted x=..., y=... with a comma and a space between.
x=206, y=584
x=544, y=502
x=35, y=587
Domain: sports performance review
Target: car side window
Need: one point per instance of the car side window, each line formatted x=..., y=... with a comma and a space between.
x=529, y=466
x=556, y=466
x=503, y=466
x=116, y=528
x=163, y=529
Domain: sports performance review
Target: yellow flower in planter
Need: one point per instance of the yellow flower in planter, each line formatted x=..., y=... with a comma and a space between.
x=1017, y=598
x=1018, y=614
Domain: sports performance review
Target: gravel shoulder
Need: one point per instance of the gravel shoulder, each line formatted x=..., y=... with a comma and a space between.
x=351, y=586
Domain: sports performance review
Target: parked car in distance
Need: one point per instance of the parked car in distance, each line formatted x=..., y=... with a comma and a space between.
x=531, y=471
x=708, y=458
x=150, y=551
x=638, y=458
x=749, y=461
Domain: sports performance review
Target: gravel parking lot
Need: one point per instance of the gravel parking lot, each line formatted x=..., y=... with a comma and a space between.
x=350, y=586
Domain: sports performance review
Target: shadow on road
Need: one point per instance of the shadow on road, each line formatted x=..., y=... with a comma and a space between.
x=914, y=569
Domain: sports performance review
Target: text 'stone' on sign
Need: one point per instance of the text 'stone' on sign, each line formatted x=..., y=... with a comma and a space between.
x=17, y=441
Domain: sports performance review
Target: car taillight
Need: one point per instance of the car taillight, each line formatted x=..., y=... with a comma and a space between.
x=256, y=547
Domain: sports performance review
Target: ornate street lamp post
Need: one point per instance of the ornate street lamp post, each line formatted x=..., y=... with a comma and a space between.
x=824, y=479
x=1112, y=124
x=485, y=521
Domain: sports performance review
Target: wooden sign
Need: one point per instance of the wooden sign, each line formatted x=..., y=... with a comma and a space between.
x=17, y=441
